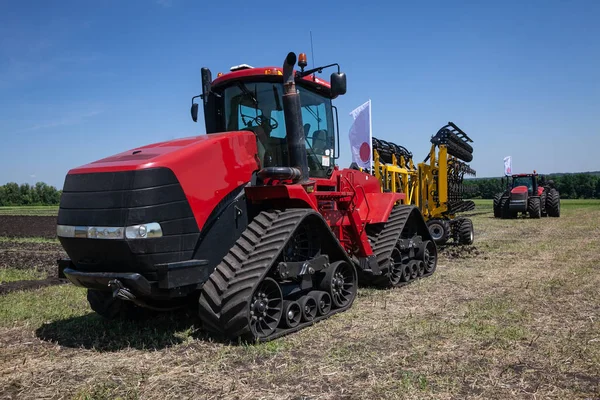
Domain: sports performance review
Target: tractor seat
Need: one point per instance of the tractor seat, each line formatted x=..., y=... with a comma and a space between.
x=319, y=142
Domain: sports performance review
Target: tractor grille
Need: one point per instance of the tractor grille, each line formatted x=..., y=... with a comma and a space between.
x=126, y=198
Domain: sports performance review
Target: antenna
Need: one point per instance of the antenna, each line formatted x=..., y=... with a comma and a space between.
x=312, y=52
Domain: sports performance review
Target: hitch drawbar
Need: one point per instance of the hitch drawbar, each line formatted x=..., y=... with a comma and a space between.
x=120, y=291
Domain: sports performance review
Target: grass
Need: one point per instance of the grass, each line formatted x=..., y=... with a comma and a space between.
x=29, y=210
x=518, y=320
x=5, y=239
x=566, y=204
x=14, y=275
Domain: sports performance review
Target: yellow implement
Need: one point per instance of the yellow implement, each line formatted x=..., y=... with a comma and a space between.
x=434, y=185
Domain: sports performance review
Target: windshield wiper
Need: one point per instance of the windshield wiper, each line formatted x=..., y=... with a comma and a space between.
x=310, y=110
x=246, y=92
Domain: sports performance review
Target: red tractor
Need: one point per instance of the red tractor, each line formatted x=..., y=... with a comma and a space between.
x=526, y=194
x=254, y=223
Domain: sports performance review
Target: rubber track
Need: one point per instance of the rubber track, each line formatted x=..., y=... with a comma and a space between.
x=384, y=240
x=224, y=299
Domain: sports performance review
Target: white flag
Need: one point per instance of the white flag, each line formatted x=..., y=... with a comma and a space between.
x=361, y=136
x=508, y=165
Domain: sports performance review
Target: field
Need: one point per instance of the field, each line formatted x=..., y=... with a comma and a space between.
x=517, y=315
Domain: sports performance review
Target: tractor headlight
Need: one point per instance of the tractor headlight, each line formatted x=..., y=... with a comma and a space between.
x=142, y=231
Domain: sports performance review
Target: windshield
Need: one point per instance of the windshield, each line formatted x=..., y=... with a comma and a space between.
x=258, y=106
x=523, y=181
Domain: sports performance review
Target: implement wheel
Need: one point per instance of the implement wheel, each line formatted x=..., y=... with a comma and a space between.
x=439, y=230
x=466, y=232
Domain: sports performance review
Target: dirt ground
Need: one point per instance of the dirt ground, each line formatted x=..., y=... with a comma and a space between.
x=31, y=255
x=28, y=226
x=514, y=316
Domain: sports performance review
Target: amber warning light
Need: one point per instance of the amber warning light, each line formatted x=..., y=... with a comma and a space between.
x=302, y=61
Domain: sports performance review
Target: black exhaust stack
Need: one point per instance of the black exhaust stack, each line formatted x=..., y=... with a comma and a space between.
x=293, y=119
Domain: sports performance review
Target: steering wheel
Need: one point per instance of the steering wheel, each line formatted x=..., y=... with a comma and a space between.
x=261, y=120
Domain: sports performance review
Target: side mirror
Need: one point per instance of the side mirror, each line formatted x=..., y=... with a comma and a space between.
x=194, y=112
x=338, y=84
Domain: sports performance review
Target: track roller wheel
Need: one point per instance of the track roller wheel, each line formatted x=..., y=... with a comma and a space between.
x=414, y=269
x=466, y=232
x=265, y=308
x=323, y=300
x=396, y=267
x=421, y=268
x=427, y=253
x=406, y=272
x=439, y=230
x=291, y=314
x=308, y=305
x=340, y=281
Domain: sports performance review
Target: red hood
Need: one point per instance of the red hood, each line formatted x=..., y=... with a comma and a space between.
x=160, y=154
x=208, y=167
x=519, y=189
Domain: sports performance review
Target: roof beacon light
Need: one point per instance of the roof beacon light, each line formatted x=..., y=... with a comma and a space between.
x=240, y=67
x=302, y=63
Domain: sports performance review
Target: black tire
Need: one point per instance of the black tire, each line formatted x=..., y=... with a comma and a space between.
x=534, y=207
x=466, y=234
x=505, y=209
x=553, y=203
x=543, y=198
x=439, y=230
x=497, y=207
x=109, y=307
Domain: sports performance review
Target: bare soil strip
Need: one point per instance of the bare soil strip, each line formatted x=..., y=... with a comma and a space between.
x=28, y=285
x=28, y=226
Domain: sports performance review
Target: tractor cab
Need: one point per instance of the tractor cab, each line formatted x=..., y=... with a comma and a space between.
x=251, y=99
x=522, y=182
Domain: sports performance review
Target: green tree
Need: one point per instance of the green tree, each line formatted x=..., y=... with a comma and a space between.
x=13, y=195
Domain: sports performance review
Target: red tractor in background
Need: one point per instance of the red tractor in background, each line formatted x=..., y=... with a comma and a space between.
x=253, y=223
x=526, y=194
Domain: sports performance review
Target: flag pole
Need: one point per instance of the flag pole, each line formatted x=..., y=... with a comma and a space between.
x=370, y=138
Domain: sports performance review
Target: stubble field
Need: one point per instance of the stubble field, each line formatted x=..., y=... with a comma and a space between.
x=514, y=316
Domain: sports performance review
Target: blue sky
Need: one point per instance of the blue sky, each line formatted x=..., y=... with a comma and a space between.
x=81, y=80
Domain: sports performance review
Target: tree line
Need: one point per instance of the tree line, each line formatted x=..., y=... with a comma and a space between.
x=570, y=186
x=39, y=194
